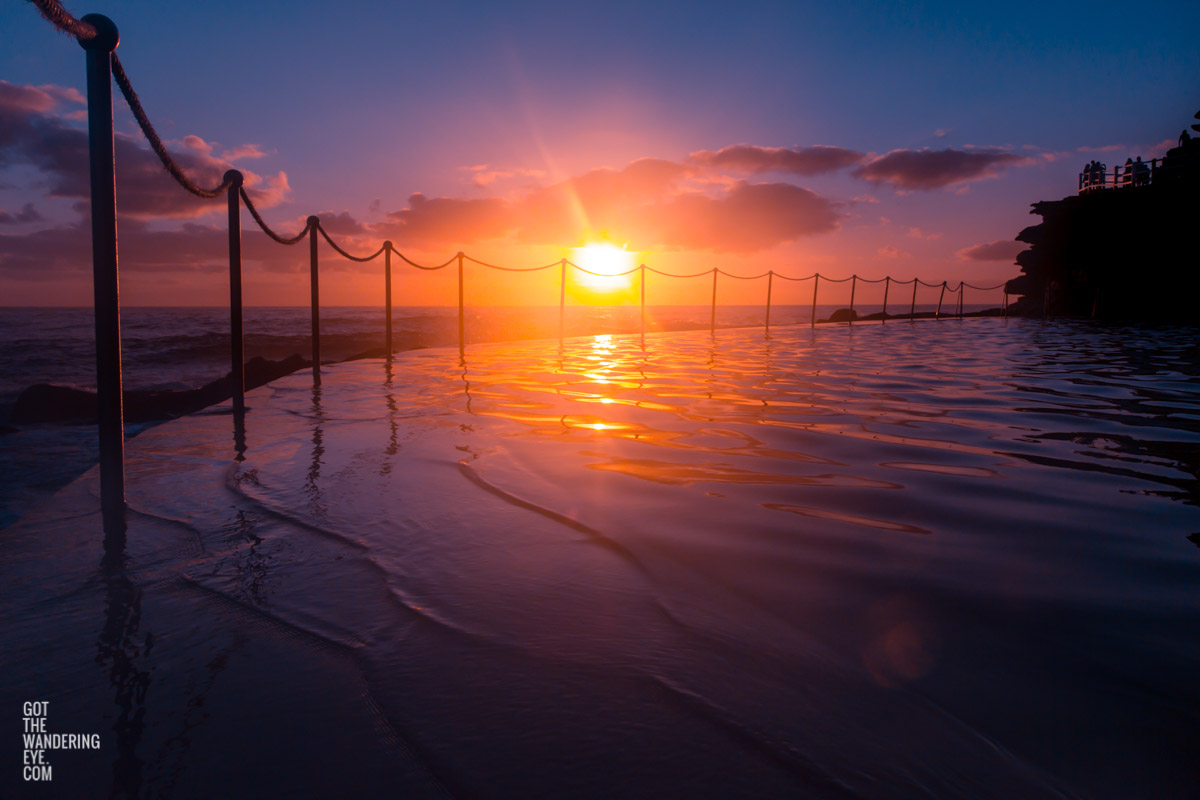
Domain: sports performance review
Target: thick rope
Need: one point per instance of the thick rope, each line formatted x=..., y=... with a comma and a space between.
x=156, y=144
x=509, y=269
x=344, y=254
x=786, y=278
x=744, y=277
x=62, y=19
x=603, y=274
x=412, y=263
x=257, y=218
x=673, y=275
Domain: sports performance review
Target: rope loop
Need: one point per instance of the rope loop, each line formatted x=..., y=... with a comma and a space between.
x=343, y=253
x=511, y=269
x=266, y=229
x=412, y=263
x=156, y=143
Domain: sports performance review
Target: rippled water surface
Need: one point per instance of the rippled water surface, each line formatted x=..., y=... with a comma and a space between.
x=941, y=559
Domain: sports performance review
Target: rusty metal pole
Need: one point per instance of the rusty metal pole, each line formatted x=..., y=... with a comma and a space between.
x=1005, y=312
x=770, y=280
x=314, y=297
x=712, y=319
x=812, y=322
x=237, y=370
x=642, y=267
x=387, y=297
x=938, y=313
x=562, y=299
x=105, y=283
x=962, y=293
x=912, y=311
x=462, y=342
x=887, y=284
x=853, y=283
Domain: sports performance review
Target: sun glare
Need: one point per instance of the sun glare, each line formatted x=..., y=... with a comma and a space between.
x=605, y=264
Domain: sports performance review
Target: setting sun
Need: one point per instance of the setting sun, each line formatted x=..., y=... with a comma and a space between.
x=608, y=268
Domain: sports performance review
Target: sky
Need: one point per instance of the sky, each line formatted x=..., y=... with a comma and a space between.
x=850, y=138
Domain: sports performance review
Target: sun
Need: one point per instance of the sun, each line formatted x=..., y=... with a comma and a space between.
x=605, y=264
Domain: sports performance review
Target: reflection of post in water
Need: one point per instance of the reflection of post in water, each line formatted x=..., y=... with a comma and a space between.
x=711, y=380
x=311, y=487
x=119, y=649
x=462, y=362
x=239, y=434
x=394, y=436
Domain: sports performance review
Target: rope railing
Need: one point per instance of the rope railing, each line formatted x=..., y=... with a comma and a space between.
x=99, y=38
x=267, y=228
x=344, y=254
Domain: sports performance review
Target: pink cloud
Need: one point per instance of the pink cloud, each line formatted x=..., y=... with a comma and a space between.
x=917, y=233
x=1002, y=250
x=32, y=133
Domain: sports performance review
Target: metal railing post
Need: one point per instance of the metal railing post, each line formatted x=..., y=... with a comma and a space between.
x=712, y=319
x=314, y=297
x=237, y=370
x=387, y=297
x=462, y=342
x=812, y=322
x=912, y=311
x=962, y=292
x=887, y=284
x=938, y=313
x=770, y=280
x=1005, y=311
x=562, y=299
x=105, y=283
x=853, y=282
x=642, y=267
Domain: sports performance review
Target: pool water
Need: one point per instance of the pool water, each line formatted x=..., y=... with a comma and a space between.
x=946, y=559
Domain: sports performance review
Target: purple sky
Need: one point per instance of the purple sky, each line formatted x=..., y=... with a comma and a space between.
x=907, y=142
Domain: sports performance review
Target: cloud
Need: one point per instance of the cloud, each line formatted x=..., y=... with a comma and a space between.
x=753, y=160
x=647, y=204
x=917, y=233
x=892, y=252
x=438, y=221
x=927, y=169
x=32, y=132
x=1002, y=250
x=27, y=214
x=483, y=176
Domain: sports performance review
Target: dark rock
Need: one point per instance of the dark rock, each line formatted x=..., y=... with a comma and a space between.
x=844, y=315
x=44, y=402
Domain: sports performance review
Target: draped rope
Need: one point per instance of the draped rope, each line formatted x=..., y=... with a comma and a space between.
x=334, y=245
x=511, y=269
x=62, y=19
x=266, y=229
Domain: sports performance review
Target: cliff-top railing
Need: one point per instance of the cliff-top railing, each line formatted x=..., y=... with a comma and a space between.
x=1098, y=177
x=99, y=38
